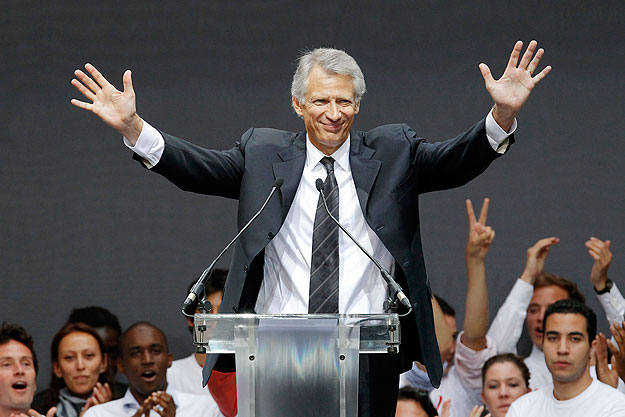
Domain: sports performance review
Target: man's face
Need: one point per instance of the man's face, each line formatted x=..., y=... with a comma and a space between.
x=144, y=360
x=328, y=110
x=451, y=322
x=110, y=339
x=17, y=377
x=409, y=408
x=566, y=347
x=543, y=298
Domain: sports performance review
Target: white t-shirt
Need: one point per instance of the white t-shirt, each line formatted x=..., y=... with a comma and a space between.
x=186, y=375
x=187, y=405
x=598, y=400
x=463, y=384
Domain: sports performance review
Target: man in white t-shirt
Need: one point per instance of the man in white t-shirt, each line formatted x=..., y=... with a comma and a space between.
x=186, y=374
x=535, y=290
x=569, y=329
x=145, y=359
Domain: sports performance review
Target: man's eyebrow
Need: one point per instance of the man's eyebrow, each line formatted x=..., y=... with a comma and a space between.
x=575, y=333
x=552, y=332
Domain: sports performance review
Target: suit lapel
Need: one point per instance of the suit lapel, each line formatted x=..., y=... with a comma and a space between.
x=364, y=169
x=290, y=170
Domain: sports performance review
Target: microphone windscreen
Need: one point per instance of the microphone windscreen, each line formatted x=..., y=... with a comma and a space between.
x=319, y=184
x=278, y=182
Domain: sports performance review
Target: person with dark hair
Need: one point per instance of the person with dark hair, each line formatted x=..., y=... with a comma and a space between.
x=462, y=385
x=505, y=378
x=287, y=262
x=145, y=359
x=534, y=291
x=18, y=372
x=107, y=325
x=413, y=402
x=186, y=374
x=79, y=380
x=417, y=377
x=569, y=329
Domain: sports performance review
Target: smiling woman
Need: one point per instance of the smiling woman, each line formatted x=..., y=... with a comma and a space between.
x=78, y=377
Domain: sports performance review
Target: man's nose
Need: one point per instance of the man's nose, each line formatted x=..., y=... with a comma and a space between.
x=563, y=346
x=147, y=357
x=333, y=113
x=19, y=369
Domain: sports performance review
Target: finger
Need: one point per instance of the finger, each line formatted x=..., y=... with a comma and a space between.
x=51, y=412
x=82, y=104
x=128, y=82
x=594, y=255
x=527, y=56
x=535, y=61
x=545, y=243
x=87, y=81
x=83, y=90
x=484, y=211
x=488, y=77
x=97, y=76
x=541, y=74
x=470, y=212
x=514, y=55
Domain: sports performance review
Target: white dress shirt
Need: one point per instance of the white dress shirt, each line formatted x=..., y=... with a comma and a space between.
x=286, y=281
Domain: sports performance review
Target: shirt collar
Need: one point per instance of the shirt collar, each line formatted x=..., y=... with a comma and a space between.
x=341, y=155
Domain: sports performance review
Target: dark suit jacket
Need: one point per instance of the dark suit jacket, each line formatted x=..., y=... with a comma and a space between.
x=390, y=166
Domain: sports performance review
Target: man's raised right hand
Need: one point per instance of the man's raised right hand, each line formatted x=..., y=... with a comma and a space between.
x=116, y=108
x=536, y=256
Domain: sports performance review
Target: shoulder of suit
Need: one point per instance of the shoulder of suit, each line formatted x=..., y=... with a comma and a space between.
x=399, y=132
x=261, y=135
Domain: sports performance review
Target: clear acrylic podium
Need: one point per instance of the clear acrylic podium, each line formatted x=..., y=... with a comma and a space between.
x=297, y=364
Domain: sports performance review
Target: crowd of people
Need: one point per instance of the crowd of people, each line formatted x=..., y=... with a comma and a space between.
x=571, y=368
x=86, y=355
x=571, y=371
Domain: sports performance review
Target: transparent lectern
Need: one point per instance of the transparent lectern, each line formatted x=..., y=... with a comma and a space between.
x=297, y=365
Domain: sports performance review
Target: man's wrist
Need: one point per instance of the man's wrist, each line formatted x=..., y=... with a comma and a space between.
x=604, y=286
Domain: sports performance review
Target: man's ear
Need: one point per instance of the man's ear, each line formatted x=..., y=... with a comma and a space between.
x=120, y=366
x=170, y=359
x=297, y=107
x=357, y=108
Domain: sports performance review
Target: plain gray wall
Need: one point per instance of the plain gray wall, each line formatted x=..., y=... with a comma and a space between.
x=83, y=224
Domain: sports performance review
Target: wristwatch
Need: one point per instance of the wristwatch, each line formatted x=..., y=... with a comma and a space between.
x=606, y=289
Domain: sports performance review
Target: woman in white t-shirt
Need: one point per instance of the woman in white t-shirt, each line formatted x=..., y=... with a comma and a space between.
x=505, y=378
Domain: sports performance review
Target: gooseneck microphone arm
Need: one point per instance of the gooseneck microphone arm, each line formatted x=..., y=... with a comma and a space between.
x=198, y=287
x=392, y=284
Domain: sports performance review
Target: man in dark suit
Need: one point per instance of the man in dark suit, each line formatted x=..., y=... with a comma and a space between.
x=374, y=178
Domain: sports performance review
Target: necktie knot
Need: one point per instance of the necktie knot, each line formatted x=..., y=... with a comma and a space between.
x=328, y=163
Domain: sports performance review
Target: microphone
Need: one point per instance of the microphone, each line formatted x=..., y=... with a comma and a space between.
x=198, y=287
x=393, y=285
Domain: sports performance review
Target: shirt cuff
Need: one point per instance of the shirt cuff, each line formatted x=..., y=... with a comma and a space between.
x=497, y=137
x=150, y=145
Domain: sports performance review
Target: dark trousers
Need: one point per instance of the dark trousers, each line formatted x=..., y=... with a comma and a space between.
x=378, y=385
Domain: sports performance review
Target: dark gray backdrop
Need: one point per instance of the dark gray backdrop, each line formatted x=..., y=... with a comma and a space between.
x=82, y=224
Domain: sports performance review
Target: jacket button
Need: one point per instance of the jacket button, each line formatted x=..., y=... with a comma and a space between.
x=245, y=268
x=271, y=235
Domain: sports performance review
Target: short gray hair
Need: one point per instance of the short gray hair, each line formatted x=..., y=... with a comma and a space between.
x=333, y=61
